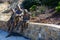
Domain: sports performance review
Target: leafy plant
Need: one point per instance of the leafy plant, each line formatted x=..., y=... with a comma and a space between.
x=58, y=7
x=33, y=8
x=27, y=4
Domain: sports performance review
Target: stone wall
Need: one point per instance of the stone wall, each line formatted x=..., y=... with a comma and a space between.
x=43, y=31
x=3, y=25
x=38, y=30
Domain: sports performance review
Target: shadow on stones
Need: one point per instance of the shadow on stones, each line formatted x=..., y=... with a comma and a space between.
x=17, y=34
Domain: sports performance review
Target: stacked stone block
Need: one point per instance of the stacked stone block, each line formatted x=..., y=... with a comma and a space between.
x=47, y=32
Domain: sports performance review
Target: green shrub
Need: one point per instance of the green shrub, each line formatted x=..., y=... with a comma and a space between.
x=33, y=8
x=58, y=7
x=28, y=3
